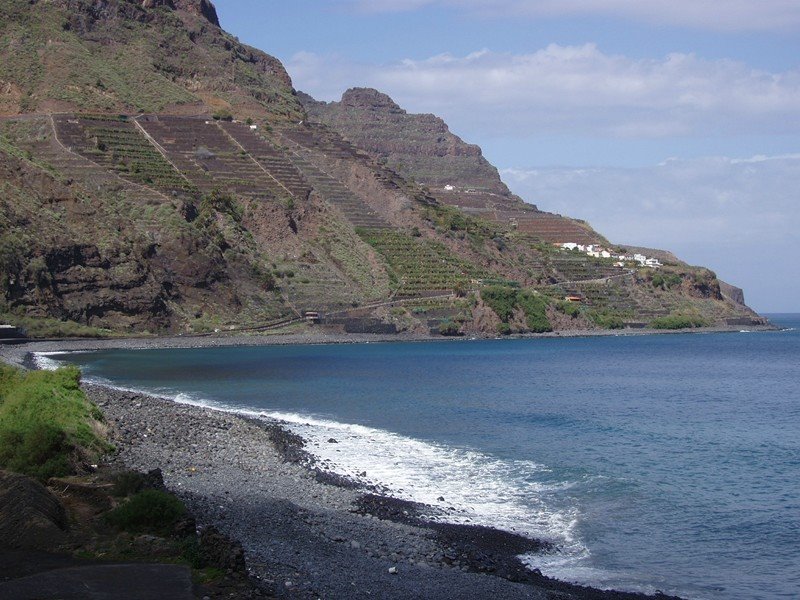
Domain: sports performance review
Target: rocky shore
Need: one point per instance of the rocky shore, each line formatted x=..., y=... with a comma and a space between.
x=307, y=533
x=17, y=351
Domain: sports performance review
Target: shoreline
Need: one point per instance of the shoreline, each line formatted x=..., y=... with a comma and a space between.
x=309, y=533
x=16, y=351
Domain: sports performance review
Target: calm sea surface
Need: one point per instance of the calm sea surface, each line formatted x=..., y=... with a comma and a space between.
x=666, y=462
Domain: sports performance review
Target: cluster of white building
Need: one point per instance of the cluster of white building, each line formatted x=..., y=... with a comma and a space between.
x=598, y=251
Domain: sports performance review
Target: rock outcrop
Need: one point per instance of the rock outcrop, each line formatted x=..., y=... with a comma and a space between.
x=31, y=517
x=203, y=8
x=732, y=293
x=419, y=146
x=133, y=56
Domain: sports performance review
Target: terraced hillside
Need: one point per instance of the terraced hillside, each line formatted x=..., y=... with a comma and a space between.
x=157, y=175
x=422, y=148
x=420, y=267
x=117, y=144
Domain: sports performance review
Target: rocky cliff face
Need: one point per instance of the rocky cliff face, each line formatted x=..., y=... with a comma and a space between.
x=420, y=147
x=732, y=293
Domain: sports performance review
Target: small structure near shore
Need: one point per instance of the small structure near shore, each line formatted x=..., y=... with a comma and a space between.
x=11, y=332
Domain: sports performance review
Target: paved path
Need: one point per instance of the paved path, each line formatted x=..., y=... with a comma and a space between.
x=103, y=582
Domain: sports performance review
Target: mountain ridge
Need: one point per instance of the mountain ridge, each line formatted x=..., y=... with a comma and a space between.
x=194, y=192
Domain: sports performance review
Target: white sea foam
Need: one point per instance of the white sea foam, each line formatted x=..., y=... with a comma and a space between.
x=45, y=360
x=478, y=489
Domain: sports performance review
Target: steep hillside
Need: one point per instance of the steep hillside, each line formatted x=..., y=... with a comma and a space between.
x=131, y=56
x=422, y=148
x=186, y=191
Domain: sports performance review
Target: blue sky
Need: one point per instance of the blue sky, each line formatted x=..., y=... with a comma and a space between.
x=669, y=124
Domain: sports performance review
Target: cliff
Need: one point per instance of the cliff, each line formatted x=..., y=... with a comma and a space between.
x=157, y=175
x=420, y=147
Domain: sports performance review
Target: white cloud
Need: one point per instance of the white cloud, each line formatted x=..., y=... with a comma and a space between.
x=716, y=15
x=737, y=216
x=574, y=90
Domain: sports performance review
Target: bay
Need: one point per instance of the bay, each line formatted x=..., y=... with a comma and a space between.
x=667, y=462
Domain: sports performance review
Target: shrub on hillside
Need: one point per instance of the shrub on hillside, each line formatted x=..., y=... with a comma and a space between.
x=449, y=328
x=568, y=308
x=607, y=319
x=149, y=510
x=501, y=300
x=679, y=322
x=666, y=280
x=504, y=299
x=41, y=451
x=535, y=308
x=223, y=114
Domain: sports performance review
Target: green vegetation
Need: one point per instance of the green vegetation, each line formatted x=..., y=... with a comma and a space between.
x=571, y=309
x=419, y=264
x=223, y=114
x=679, y=321
x=122, y=147
x=504, y=300
x=45, y=327
x=666, y=281
x=128, y=483
x=449, y=328
x=148, y=510
x=449, y=218
x=535, y=308
x=47, y=426
x=606, y=319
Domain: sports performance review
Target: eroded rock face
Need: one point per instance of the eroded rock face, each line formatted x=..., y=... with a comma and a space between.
x=732, y=293
x=203, y=8
x=417, y=145
x=31, y=517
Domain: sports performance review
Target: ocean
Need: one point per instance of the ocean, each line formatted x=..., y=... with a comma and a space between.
x=654, y=462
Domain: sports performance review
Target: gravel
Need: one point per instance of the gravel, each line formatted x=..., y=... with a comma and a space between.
x=306, y=533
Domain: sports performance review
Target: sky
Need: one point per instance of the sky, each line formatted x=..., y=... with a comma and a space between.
x=670, y=124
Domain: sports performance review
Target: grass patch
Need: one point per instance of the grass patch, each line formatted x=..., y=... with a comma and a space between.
x=679, y=321
x=47, y=425
x=606, y=319
x=45, y=327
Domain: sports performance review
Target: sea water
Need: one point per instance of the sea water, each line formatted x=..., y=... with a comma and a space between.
x=656, y=462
